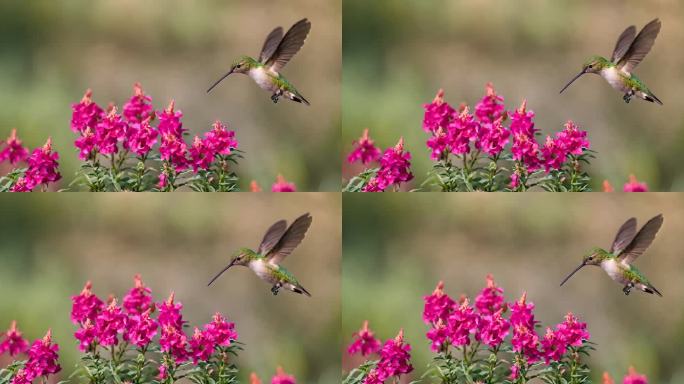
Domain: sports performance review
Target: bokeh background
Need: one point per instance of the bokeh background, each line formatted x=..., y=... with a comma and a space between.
x=51, y=52
x=397, y=54
x=51, y=245
x=397, y=247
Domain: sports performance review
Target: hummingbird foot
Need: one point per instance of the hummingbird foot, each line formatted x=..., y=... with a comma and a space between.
x=275, y=289
x=628, y=96
x=627, y=288
x=276, y=95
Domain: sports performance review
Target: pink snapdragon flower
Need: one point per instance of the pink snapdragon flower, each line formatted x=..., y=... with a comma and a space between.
x=221, y=140
x=221, y=331
x=634, y=185
x=85, y=114
x=85, y=306
x=553, y=346
x=140, y=329
x=282, y=378
x=139, y=298
x=364, y=150
x=13, y=151
x=490, y=108
x=364, y=342
x=42, y=358
x=42, y=169
x=462, y=322
x=282, y=185
x=493, y=329
x=109, y=323
x=525, y=148
x=522, y=313
x=461, y=130
x=438, y=335
x=493, y=137
x=201, y=346
x=634, y=378
x=141, y=138
x=573, y=331
x=139, y=107
x=526, y=342
x=438, y=305
x=395, y=360
x=201, y=155
x=437, y=114
x=86, y=335
x=490, y=300
x=395, y=168
x=174, y=342
x=170, y=121
x=170, y=313
x=110, y=131
x=174, y=150
x=13, y=342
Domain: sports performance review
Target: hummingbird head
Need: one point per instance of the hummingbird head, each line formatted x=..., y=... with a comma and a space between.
x=242, y=257
x=243, y=64
x=595, y=257
x=594, y=65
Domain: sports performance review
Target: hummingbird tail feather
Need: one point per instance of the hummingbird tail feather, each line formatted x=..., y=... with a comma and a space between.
x=652, y=98
x=298, y=98
x=299, y=289
x=651, y=289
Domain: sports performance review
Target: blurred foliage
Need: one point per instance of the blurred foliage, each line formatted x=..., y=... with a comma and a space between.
x=52, y=244
x=51, y=52
x=397, y=54
x=398, y=246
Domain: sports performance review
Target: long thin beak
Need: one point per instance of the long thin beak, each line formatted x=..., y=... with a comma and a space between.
x=572, y=273
x=221, y=273
x=220, y=80
x=573, y=80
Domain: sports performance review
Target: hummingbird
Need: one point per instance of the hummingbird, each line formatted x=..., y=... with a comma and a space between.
x=629, y=51
x=278, y=242
x=627, y=247
x=275, y=54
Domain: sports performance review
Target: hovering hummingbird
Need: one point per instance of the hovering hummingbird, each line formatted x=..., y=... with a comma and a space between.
x=627, y=247
x=278, y=242
x=628, y=53
x=276, y=52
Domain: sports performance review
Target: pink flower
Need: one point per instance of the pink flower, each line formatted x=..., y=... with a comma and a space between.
x=163, y=180
x=86, y=335
x=438, y=335
x=364, y=342
x=173, y=149
x=525, y=148
x=573, y=139
x=170, y=121
x=461, y=131
x=42, y=168
x=490, y=300
x=395, y=358
x=493, y=137
x=174, y=342
x=282, y=185
x=364, y=150
x=462, y=322
x=163, y=371
x=526, y=342
x=85, y=306
x=170, y=313
x=634, y=378
x=86, y=114
x=14, y=151
x=522, y=313
x=572, y=331
x=493, y=329
x=282, y=378
x=86, y=143
x=109, y=131
x=141, y=138
x=42, y=357
x=634, y=185
x=201, y=155
x=553, y=346
x=140, y=329
x=515, y=180
x=438, y=143
x=490, y=108
x=437, y=114
x=221, y=331
x=109, y=323
x=13, y=343
x=554, y=154
x=395, y=168
x=201, y=346
x=437, y=306
x=139, y=107
x=139, y=298
x=515, y=371
x=220, y=139
x=22, y=377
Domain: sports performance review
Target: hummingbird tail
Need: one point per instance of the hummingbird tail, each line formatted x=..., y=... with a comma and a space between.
x=295, y=96
x=651, y=289
x=652, y=98
x=299, y=289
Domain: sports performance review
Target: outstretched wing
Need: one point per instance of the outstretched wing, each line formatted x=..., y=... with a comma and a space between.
x=623, y=43
x=271, y=44
x=642, y=240
x=272, y=237
x=289, y=45
x=640, y=47
x=291, y=239
x=624, y=236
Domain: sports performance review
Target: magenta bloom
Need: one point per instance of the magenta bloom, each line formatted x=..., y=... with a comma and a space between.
x=221, y=331
x=438, y=335
x=573, y=139
x=109, y=131
x=437, y=306
x=493, y=137
x=490, y=300
x=526, y=342
x=22, y=377
x=220, y=139
x=634, y=185
x=490, y=108
x=170, y=313
x=201, y=155
x=140, y=329
x=395, y=359
x=522, y=313
x=163, y=372
x=364, y=150
x=170, y=121
x=86, y=335
x=173, y=149
x=86, y=114
x=85, y=306
x=282, y=378
x=174, y=342
x=139, y=107
x=553, y=346
x=109, y=323
x=525, y=148
x=437, y=114
x=493, y=329
x=634, y=378
x=462, y=322
x=554, y=154
x=139, y=298
x=395, y=168
x=439, y=144
x=42, y=357
x=462, y=129
x=572, y=331
x=13, y=342
x=364, y=342
x=86, y=144
x=141, y=138
x=201, y=346
x=14, y=151
x=282, y=185
x=42, y=169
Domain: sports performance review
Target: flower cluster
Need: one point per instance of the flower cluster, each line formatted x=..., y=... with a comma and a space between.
x=13, y=342
x=632, y=377
x=633, y=185
x=469, y=136
x=13, y=150
x=394, y=166
x=364, y=342
x=42, y=356
x=118, y=147
x=41, y=165
x=395, y=356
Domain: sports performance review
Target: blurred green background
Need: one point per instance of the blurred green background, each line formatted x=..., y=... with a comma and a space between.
x=397, y=247
x=51, y=52
x=397, y=54
x=51, y=245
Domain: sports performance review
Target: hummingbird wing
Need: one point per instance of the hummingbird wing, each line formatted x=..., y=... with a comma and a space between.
x=642, y=240
x=272, y=237
x=291, y=239
x=624, y=236
x=640, y=47
x=623, y=43
x=271, y=44
x=289, y=45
